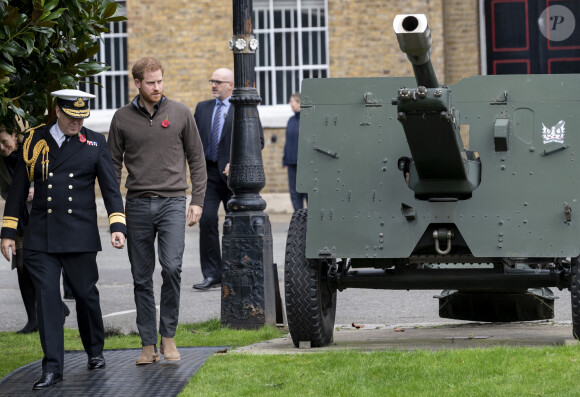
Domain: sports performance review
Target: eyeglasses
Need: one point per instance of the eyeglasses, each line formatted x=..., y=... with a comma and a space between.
x=217, y=82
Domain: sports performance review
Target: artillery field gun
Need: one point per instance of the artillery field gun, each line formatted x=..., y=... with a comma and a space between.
x=468, y=188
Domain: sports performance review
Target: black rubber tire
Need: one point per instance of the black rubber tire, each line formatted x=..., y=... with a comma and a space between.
x=310, y=300
x=575, y=296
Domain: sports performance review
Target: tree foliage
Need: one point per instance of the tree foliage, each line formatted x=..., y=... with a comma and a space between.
x=47, y=46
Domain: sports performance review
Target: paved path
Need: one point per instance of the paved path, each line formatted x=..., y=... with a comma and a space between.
x=116, y=285
x=383, y=308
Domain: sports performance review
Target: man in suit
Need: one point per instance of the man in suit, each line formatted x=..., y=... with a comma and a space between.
x=214, y=119
x=63, y=160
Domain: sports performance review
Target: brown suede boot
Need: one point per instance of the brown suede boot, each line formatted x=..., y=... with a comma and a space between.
x=169, y=350
x=148, y=355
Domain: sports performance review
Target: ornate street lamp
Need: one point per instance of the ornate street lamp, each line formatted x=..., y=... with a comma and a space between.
x=248, y=277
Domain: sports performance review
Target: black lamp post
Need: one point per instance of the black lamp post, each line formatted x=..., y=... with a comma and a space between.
x=248, y=279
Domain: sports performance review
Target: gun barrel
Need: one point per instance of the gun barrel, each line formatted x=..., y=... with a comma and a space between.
x=414, y=37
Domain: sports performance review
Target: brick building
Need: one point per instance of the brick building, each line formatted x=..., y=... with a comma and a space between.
x=331, y=38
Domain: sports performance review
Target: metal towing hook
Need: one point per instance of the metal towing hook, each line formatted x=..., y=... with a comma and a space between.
x=443, y=234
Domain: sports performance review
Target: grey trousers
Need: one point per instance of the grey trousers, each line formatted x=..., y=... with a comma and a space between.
x=163, y=218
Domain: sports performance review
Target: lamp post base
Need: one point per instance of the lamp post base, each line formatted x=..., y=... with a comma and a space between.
x=248, y=280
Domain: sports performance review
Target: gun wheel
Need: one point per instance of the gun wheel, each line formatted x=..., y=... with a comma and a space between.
x=575, y=296
x=310, y=300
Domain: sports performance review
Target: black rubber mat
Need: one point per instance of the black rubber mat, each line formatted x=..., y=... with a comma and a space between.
x=121, y=377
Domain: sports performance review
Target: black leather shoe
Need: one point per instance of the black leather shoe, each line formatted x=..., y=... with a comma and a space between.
x=96, y=362
x=208, y=283
x=29, y=328
x=47, y=380
x=65, y=312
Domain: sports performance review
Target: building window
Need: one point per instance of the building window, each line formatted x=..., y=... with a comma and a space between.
x=293, y=45
x=113, y=90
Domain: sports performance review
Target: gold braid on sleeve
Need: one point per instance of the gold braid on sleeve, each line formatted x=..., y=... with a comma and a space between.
x=40, y=147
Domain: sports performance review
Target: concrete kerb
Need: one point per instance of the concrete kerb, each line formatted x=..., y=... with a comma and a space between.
x=410, y=337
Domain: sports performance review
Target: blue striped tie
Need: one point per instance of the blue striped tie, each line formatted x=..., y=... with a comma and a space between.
x=215, y=133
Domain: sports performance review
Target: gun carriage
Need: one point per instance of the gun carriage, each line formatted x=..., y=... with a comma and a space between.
x=469, y=188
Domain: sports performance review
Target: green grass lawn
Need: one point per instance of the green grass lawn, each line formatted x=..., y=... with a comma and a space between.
x=498, y=371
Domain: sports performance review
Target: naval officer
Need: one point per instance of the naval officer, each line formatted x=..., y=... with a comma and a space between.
x=63, y=160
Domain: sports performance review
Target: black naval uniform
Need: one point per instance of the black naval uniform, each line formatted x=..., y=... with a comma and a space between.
x=62, y=231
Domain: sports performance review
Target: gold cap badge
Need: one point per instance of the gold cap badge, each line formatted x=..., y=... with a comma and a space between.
x=79, y=103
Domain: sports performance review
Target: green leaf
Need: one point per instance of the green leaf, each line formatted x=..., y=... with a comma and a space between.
x=28, y=39
x=110, y=10
x=92, y=51
x=17, y=110
x=44, y=15
x=46, y=24
x=92, y=66
x=68, y=81
x=11, y=16
x=44, y=29
x=117, y=19
x=42, y=40
x=37, y=11
x=15, y=49
x=7, y=56
x=55, y=14
x=50, y=5
x=95, y=83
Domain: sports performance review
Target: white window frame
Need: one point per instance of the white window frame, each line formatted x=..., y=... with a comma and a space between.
x=100, y=119
x=272, y=113
x=482, y=38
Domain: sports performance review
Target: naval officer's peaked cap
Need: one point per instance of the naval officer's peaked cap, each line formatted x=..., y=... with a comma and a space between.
x=74, y=103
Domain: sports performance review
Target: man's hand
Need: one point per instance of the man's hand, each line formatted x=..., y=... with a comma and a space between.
x=117, y=240
x=30, y=193
x=193, y=214
x=7, y=245
x=227, y=170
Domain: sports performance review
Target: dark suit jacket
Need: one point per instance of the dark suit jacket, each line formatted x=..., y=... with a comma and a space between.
x=5, y=182
x=203, y=119
x=5, y=179
x=64, y=214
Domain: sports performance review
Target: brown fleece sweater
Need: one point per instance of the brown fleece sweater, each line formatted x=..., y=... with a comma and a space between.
x=155, y=156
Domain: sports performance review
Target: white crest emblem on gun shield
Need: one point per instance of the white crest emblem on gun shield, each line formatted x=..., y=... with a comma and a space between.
x=554, y=134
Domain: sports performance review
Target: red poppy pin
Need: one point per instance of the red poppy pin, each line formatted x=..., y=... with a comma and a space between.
x=165, y=123
x=82, y=138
